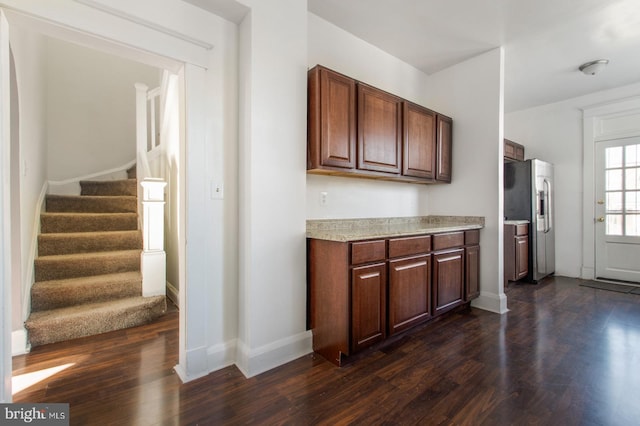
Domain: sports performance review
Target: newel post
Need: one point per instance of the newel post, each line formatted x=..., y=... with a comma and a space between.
x=153, y=257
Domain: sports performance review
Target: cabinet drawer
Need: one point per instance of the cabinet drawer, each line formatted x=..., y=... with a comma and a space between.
x=409, y=245
x=472, y=237
x=522, y=229
x=367, y=251
x=448, y=240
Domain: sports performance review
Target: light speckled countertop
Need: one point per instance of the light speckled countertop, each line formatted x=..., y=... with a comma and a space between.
x=364, y=229
x=516, y=222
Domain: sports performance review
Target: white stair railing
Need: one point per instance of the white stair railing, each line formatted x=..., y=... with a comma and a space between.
x=150, y=192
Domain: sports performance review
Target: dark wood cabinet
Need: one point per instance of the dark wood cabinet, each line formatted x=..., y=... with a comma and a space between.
x=368, y=302
x=379, y=130
x=513, y=151
x=363, y=291
x=409, y=292
x=419, y=142
x=516, y=251
x=472, y=264
x=357, y=130
x=448, y=281
x=444, y=148
x=331, y=120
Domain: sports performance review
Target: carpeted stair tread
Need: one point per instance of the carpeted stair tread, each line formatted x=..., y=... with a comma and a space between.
x=87, y=242
x=87, y=222
x=109, y=187
x=92, y=203
x=62, y=293
x=88, y=319
x=85, y=264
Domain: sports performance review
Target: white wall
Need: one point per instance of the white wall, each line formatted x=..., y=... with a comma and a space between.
x=90, y=109
x=350, y=197
x=273, y=92
x=29, y=55
x=554, y=133
x=471, y=93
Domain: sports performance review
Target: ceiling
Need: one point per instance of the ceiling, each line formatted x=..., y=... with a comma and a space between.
x=544, y=40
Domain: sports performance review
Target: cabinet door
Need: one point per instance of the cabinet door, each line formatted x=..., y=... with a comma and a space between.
x=448, y=281
x=409, y=292
x=472, y=272
x=444, y=149
x=379, y=130
x=332, y=120
x=419, y=142
x=522, y=256
x=368, y=301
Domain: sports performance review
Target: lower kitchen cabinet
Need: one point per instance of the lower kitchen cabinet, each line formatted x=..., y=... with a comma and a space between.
x=409, y=292
x=448, y=281
x=368, y=305
x=361, y=292
x=516, y=251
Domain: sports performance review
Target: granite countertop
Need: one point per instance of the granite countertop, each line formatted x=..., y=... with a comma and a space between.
x=516, y=222
x=364, y=229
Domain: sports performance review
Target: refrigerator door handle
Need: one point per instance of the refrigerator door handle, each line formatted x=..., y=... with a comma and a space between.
x=547, y=206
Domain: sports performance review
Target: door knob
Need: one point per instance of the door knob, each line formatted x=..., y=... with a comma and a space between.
x=601, y=219
x=600, y=202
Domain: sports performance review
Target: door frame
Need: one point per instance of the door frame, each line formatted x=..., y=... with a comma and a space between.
x=612, y=120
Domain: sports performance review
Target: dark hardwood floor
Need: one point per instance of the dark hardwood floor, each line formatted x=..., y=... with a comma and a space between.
x=563, y=355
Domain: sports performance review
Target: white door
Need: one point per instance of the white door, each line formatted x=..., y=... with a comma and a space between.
x=618, y=209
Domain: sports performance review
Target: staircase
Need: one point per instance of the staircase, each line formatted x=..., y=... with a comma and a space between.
x=87, y=273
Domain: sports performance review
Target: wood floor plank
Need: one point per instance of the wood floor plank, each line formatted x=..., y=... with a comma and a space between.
x=563, y=354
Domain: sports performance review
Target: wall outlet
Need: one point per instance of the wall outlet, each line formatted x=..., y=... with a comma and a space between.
x=323, y=198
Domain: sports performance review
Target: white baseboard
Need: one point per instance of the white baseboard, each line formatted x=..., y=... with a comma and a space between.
x=587, y=273
x=491, y=302
x=173, y=293
x=195, y=365
x=19, y=343
x=256, y=361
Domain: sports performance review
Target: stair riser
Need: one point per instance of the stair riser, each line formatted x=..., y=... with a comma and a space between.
x=63, y=296
x=56, y=268
x=112, y=188
x=91, y=204
x=116, y=222
x=88, y=324
x=52, y=244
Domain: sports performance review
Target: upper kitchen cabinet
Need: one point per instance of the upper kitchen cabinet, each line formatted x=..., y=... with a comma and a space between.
x=419, y=142
x=358, y=130
x=444, y=149
x=513, y=151
x=331, y=120
x=379, y=130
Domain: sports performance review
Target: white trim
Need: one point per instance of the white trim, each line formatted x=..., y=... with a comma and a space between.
x=195, y=365
x=19, y=342
x=252, y=362
x=72, y=186
x=173, y=293
x=491, y=302
x=5, y=213
x=28, y=274
x=221, y=355
x=145, y=23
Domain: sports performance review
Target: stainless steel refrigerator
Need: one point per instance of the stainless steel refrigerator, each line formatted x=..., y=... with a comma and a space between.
x=528, y=195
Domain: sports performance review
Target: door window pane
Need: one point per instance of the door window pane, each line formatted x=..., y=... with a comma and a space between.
x=632, y=225
x=632, y=178
x=614, y=202
x=631, y=156
x=632, y=202
x=614, y=224
x=614, y=157
x=614, y=180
